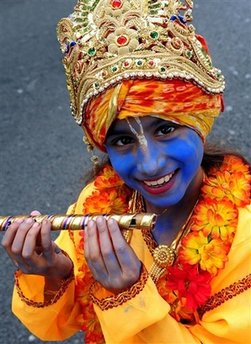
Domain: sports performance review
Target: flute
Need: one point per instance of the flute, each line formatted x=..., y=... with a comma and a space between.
x=142, y=221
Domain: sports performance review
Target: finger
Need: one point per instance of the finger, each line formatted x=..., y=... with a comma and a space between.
x=10, y=234
x=18, y=242
x=15, y=251
x=35, y=213
x=93, y=254
x=46, y=241
x=124, y=253
x=28, y=252
x=106, y=247
x=8, y=239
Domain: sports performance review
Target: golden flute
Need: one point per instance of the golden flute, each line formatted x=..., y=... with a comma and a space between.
x=76, y=222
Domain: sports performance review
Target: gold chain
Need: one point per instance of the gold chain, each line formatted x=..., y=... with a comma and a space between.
x=163, y=255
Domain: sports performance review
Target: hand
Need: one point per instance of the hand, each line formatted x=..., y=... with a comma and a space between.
x=111, y=260
x=32, y=250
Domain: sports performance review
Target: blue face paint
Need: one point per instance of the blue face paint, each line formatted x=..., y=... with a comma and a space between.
x=162, y=170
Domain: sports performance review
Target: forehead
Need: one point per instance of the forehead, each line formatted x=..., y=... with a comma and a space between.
x=147, y=122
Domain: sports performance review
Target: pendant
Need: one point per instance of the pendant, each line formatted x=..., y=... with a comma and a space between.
x=163, y=257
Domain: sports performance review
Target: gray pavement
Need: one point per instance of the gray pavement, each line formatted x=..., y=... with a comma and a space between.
x=42, y=158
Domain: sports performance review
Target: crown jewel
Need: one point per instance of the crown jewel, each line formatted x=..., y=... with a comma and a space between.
x=106, y=41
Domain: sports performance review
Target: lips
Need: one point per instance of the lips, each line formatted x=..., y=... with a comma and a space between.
x=160, y=185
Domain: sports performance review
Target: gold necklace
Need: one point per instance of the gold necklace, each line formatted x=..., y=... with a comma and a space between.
x=163, y=255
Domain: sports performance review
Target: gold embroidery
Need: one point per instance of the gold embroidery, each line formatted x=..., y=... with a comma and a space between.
x=226, y=294
x=124, y=296
x=55, y=295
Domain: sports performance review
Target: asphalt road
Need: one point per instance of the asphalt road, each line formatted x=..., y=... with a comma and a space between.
x=42, y=158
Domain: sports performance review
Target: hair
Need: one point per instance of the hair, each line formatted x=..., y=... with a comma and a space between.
x=214, y=155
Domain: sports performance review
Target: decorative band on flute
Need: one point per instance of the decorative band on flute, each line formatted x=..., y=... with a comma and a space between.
x=140, y=221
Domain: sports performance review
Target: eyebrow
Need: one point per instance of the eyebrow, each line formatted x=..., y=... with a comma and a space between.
x=122, y=131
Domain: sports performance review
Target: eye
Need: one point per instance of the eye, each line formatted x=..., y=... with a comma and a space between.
x=165, y=129
x=122, y=141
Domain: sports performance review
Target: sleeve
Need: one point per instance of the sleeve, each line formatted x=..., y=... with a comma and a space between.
x=145, y=318
x=61, y=319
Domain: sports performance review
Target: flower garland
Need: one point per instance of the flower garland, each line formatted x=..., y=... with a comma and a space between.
x=202, y=253
x=110, y=195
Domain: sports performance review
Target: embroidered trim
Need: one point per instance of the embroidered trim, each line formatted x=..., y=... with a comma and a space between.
x=117, y=300
x=226, y=294
x=55, y=295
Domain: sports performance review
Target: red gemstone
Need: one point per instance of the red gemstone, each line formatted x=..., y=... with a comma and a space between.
x=122, y=40
x=127, y=63
x=116, y=3
x=151, y=63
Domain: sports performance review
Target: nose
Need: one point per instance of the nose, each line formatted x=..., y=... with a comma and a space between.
x=150, y=160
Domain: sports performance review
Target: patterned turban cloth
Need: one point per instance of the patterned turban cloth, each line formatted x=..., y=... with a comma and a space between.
x=174, y=100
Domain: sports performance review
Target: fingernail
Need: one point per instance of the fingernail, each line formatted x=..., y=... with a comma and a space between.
x=100, y=220
x=111, y=222
x=91, y=223
x=29, y=220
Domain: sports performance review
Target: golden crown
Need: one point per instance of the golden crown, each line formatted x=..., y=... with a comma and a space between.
x=106, y=41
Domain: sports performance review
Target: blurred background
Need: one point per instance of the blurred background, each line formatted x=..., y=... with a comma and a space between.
x=42, y=158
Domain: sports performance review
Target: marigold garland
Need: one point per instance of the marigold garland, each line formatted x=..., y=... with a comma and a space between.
x=202, y=253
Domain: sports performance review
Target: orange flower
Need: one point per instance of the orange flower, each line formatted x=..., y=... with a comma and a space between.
x=217, y=218
x=231, y=181
x=108, y=178
x=214, y=256
x=105, y=202
x=191, y=247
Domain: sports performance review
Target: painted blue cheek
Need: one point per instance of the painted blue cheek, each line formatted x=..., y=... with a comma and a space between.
x=122, y=163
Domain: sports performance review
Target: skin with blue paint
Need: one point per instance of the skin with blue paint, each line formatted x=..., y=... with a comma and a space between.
x=170, y=149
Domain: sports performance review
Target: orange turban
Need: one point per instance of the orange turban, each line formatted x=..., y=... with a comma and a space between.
x=175, y=100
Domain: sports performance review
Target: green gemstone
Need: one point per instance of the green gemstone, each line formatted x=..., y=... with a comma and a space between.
x=162, y=69
x=189, y=53
x=114, y=69
x=154, y=35
x=139, y=63
x=92, y=52
x=96, y=85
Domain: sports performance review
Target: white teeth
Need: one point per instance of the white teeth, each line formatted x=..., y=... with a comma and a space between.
x=160, y=181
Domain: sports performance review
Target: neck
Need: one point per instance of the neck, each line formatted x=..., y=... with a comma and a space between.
x=171, y=219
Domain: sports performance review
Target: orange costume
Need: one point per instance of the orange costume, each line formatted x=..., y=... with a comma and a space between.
x=137, y=58
x=150, y=312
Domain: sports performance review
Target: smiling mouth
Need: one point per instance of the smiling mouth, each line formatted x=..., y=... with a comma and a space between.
x=159, y=182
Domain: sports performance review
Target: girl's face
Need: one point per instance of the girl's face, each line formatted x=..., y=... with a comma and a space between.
x=156, y=157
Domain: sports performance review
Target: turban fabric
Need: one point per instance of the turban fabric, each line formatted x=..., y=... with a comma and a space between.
x=175, y=100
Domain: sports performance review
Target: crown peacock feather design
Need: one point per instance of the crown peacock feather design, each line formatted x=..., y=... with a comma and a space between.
x=107, y=41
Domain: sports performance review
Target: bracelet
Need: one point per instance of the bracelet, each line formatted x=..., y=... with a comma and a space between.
x=54, y=295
